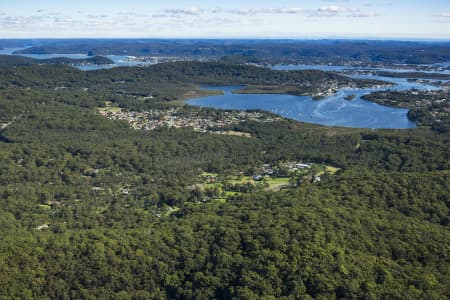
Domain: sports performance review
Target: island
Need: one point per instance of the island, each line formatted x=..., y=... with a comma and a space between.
x=350, y=97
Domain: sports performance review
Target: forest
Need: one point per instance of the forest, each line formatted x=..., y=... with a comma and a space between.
x=170, y=81
x=94, y=209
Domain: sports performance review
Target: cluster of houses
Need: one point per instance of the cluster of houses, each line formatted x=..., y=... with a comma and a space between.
x=436, y=101
x=291, y=167
x=331, y=87
x=151, y=60
x=269, y=170
x=328, y=89
x=443, y=85
x=153, y=119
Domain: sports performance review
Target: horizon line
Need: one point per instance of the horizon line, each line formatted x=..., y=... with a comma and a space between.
x=293, y=38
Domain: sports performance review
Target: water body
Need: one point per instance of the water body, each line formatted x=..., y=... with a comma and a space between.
x=437, y=68
x=400, y=84
x=313, y=67
x=331, y=111
x=9, y=51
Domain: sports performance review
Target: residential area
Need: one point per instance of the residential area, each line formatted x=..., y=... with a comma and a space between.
x=153, y=119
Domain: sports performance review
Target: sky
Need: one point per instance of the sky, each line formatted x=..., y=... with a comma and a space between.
x=413, y=19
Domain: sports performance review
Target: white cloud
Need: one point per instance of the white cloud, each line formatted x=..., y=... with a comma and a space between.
x=334, y=9
x=323, y=11
x=446, y=14
x=369, y=14
x=133, y=14
x=193, y=11
x=159, y=16
x=334, y=1
x=189, y=20
x=97, y=16
x=291, y=10
x=256, y=11
x=217, y=10
x=340, y=11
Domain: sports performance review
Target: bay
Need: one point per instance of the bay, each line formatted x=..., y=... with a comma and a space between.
x=331, y=111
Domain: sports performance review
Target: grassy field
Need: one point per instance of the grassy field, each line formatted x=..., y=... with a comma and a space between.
x=204, y=174
x=220, y=200
x=171, y=210
x=276, y=184
x=109, y=108
x=230, y=194
x=195, y=94
x=332, y=170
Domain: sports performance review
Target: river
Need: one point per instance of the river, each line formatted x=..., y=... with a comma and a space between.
x=331, y=111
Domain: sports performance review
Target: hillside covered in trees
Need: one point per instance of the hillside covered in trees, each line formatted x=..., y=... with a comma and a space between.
x=17, y=61
x=92, y=208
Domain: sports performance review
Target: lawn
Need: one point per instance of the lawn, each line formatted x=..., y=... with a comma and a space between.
x=171, y=210
x=332, y=170
x=230, y=193
x=276, y=184
x=111, y=109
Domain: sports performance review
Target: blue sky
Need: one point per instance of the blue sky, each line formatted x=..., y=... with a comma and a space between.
x=412, y=19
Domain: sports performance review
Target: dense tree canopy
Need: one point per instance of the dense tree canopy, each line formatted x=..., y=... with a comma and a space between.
x=91, y=208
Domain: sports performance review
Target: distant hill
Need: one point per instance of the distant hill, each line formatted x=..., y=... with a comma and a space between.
x=271, y=51
x=16, y=60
